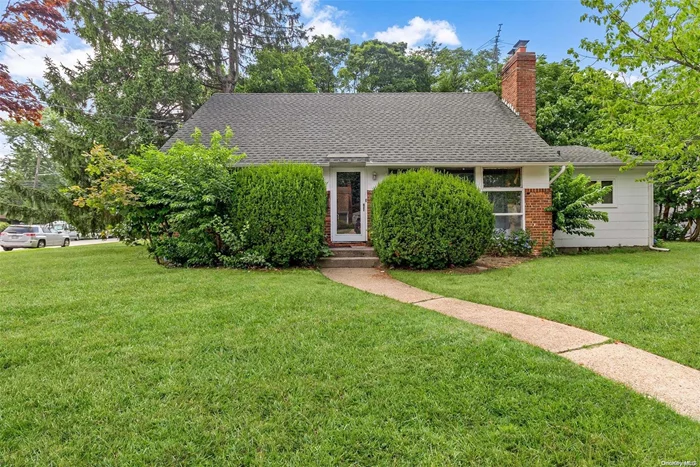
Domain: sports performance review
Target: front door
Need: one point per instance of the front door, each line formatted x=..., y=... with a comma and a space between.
x=348, y=205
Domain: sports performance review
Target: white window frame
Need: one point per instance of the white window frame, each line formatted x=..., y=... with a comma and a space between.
x=479, y=176
x=614, y=183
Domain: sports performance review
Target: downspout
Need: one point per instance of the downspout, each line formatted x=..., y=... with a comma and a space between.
x=651, y=222
x=561, y=170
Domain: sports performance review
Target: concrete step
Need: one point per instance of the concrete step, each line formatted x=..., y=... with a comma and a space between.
x=354, y=252
x=349, y=262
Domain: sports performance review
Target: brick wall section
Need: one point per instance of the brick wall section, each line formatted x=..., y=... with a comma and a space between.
x=518, y=85
x=537, y=221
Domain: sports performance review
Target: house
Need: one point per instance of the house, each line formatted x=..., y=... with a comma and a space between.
x=359, y=139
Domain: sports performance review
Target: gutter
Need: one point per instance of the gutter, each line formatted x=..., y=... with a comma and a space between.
x=561, y=171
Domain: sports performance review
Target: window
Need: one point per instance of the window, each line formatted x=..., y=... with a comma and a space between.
x=504, y=190
x=466, y=173
x=607, y=199
x=398, y=171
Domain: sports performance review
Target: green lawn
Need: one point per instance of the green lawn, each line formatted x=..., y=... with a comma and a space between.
x=650, y=300
x=108, y=359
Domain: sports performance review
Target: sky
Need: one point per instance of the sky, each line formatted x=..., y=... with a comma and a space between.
x=551, y=26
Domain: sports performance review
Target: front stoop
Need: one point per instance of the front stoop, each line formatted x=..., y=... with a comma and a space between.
x=351, y=257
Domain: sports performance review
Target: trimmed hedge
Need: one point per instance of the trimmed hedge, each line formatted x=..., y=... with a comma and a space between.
x=284, y=208
x=427, y=220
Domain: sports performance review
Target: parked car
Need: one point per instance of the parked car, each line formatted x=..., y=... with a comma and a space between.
x=64, y=227
x=31, y=236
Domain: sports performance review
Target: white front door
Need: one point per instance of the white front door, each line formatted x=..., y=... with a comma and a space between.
x=348, y=205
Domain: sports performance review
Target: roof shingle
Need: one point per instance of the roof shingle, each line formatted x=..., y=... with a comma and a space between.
x=391, y=128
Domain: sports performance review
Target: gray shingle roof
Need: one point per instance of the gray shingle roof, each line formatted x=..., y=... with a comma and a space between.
x=581, y=155
x=410, y=128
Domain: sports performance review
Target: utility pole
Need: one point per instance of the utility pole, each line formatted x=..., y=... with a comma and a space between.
x=36, y=169
x=496, y=51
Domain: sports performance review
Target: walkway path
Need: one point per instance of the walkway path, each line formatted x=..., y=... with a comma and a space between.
x=670, y=382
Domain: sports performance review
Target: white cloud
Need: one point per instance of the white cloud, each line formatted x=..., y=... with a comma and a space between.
x=418, y=31
x=326, y=20
x=26, y=61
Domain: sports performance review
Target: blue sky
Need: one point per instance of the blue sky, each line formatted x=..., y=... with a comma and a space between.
x=552, y=26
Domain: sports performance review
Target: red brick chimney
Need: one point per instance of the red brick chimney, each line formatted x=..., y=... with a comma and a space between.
x=518, y=82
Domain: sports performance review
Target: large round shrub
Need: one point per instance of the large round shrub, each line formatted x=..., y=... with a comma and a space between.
x=426, y=220
x=284, y=209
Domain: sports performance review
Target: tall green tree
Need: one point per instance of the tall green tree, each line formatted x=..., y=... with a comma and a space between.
x=462, y=70
x=376, y=66
x=325, y=55
x=566, y=114
x=275, y=70
x=650, y=113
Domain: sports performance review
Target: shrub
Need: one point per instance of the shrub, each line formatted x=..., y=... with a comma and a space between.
x=518, y=243
x=284, y=206
x=3, y=225
x=426, y=220
x=572, y=198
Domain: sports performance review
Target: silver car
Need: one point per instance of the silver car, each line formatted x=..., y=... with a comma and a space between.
x=31, y=236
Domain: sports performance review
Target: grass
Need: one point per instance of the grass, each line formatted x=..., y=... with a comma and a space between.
x=646, y=299
x=108, y=359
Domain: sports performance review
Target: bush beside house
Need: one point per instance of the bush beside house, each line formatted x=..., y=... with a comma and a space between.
x=282, y=208
x=427, y=220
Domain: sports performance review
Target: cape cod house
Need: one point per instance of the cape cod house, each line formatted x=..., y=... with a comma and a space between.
x=359, y=139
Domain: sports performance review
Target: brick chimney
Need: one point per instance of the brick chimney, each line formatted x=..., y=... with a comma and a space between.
x=518, y=82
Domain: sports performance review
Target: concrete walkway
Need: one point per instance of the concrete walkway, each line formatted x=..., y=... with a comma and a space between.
x=670, y=382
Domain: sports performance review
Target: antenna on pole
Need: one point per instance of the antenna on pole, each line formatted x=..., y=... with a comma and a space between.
x=496, y=51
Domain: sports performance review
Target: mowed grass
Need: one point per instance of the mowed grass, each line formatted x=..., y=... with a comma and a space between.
x=108, y=359
x=650, y=300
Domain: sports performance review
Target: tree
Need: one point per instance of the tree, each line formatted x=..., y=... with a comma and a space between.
x=376, y=66
x=30, y=22
x=654, y=117
x=40, y=164
x=156, y=61
x=565, y=113
x=572, y=198
x=324, y=55
x=460, y=70
x=278, y=71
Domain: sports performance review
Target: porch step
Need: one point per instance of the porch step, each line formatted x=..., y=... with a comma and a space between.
x=349, y=262
x=354, y=252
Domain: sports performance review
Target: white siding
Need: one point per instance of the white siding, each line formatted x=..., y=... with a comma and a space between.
x=535, y=176
x=629, y=215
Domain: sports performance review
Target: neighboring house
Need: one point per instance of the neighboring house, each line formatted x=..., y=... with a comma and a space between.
x=359, y=139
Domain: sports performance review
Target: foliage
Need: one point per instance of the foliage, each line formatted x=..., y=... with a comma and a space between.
x=549, y=250
x=461, y=70
x=518, y=243
x=679, y=213
x=278, y=71
x=177, y=201
x=426, y=220
x=376, y=66
x=3, y=225
x=35, y=173
x=284, y=209
x=29, y=22
x=572, y=198
x=565, y=113
x=324, y=56
x=653, y=117
x=643, y=298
